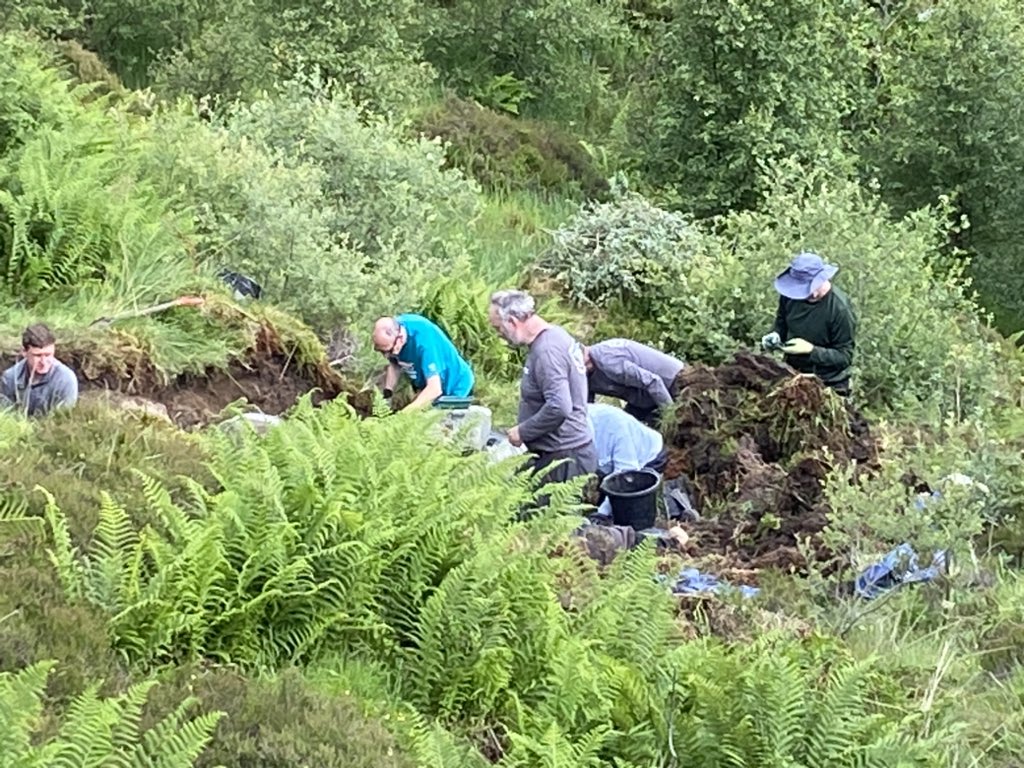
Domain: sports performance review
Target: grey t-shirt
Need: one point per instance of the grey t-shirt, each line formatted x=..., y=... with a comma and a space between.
x=553, y=394
x=634, y=372
x=58, y=387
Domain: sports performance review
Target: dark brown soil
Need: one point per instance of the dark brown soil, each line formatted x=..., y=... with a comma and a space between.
x=757, y=440
x=267, y=378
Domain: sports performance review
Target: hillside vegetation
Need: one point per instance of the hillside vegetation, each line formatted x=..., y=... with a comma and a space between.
x=351, y=590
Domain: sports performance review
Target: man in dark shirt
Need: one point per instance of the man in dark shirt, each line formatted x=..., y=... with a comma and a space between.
x=642, y=376
x=815, y=325
x=552, y=420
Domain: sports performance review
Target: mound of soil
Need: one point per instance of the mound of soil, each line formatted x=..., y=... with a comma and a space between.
x=756, y=441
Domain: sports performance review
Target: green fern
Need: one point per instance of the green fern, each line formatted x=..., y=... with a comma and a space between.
x=96, y=733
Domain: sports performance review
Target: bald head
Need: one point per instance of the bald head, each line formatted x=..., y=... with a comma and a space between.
x=386, y=335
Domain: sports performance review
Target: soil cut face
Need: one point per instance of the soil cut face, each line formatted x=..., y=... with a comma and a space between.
x=756, y=441
x=268, y=378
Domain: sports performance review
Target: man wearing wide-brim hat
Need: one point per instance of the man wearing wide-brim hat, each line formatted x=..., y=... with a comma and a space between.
x=815, y=324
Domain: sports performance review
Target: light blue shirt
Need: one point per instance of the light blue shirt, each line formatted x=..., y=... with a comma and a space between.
x=622, y=442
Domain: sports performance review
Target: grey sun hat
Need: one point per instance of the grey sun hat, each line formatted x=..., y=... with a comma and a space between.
x=804, y=275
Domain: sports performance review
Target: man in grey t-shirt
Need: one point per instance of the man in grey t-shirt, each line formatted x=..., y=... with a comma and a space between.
x=552, y=418
x=39, y=382
x=642, y=376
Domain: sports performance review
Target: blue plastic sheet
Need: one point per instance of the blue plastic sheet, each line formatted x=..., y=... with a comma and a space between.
x=692, y=582
x=897, y=568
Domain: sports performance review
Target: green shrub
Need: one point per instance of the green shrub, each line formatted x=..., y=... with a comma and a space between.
x=282, y=721
x=784, y=702
x=504, y=153
x=732, y=87
x=240, y=50
x=704, y=291
x=310, y=544
x=627, y=255
x=93, y=449
x=555, y=58
x=39, y=623
x=389, y=193
x=942, y=121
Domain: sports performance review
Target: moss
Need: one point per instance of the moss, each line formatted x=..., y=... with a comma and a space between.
x=505, y=153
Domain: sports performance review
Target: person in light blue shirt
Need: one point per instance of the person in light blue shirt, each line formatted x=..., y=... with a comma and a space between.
x=417, y=347
x=623, y=443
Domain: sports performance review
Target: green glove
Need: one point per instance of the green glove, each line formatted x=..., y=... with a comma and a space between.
x=797, y=347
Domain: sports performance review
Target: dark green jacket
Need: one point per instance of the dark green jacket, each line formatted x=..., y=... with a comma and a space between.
x=829, y=324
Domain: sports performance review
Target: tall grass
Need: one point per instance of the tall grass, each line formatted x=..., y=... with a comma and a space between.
x=512, y=228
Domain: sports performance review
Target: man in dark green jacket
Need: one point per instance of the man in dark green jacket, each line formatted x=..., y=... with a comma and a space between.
x=815, y=324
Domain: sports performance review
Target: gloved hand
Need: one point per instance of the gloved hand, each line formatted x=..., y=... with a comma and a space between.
x=797, y=347
x=771, y=341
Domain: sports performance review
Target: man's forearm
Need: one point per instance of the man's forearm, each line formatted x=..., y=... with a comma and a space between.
x=391, y=377
x=427, y=395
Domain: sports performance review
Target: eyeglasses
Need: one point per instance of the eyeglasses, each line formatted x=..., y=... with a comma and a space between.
x=390, y=352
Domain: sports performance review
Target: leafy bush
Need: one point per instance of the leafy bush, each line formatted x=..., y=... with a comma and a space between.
x=504, y=153
x=39, y=623
x=82, y=453
x=872, y=513
x=555, y=58
x=269, y=220
x=732, y=87
x=780, y=702
x=626, y=252
x=942, y=121
x=96, y=732
x=340, y=220
x=364, y=49
x=390, y=193
x=311, y=543
x=708, y=290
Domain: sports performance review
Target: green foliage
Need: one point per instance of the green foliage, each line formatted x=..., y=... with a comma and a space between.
x=504, y=153
x=391, y=192
x=947, y=97
x=38, y=622
x=73, y=216
x=703, y=291
x=872, y=513
x=239, y=49
x=341, y=220
x=96, y=732
x=90, y=449
x=267, y=219
x=459, y=304
x=626, y=254
x=311, y=544
x=778, y=702
x=281, y=721
x=731, y=86
x=556, y=58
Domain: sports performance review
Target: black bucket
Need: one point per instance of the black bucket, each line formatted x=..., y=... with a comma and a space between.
x=633, y=495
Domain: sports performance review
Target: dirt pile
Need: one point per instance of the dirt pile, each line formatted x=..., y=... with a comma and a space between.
x=756, y=441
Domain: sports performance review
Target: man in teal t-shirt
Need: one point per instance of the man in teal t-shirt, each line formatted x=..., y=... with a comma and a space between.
x=416, y=346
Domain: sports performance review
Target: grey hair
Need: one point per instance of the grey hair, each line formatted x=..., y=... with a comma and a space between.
x=512, y=304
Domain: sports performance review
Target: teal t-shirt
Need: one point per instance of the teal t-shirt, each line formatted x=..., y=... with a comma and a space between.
x=429, y=352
